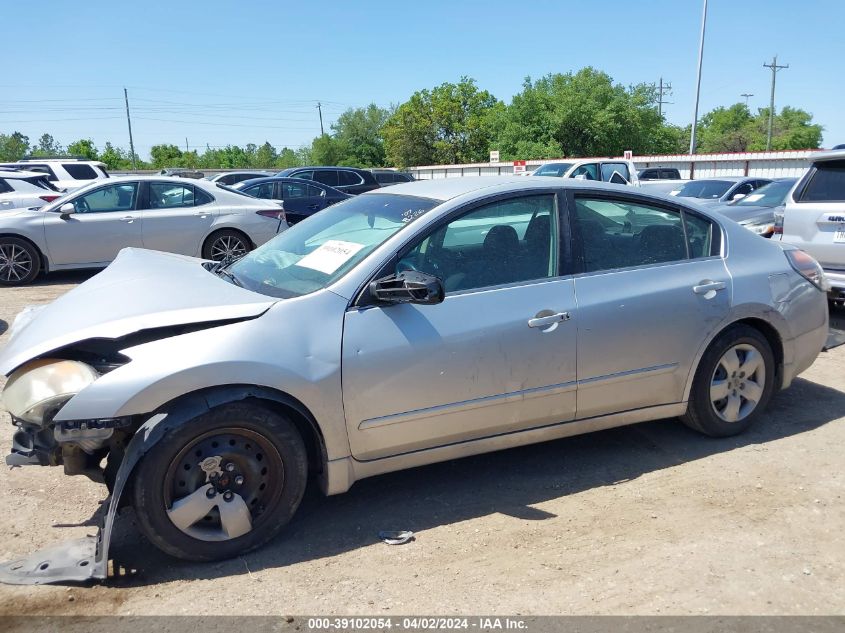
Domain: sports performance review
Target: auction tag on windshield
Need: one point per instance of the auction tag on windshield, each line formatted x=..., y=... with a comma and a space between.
x=331, y=255
x=839, y=236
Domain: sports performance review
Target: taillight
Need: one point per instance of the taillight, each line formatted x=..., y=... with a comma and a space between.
x=276, y=214
x=778, y=230
x=50, y=198
x=808, y=268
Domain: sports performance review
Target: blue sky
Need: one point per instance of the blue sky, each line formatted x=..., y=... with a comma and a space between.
x=226, y=72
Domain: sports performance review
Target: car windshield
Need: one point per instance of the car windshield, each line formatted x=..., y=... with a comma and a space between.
x=553, y=169
x=708, y=189
x=771, y=195
x=321, y=249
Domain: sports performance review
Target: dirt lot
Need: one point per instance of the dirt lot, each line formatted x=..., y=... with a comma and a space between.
x=649, y=519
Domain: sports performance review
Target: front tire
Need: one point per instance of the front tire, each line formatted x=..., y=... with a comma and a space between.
x=221, y=484
x=733, y=383
x=20, y=262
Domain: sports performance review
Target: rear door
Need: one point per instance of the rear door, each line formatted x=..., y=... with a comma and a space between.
x=652, y=285
x=301, y=199
x=814, y=219
x=106, y=220
x=176, y=217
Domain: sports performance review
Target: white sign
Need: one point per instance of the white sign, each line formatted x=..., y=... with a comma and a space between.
x=331, y=255
x=518, y=167
x=628, y=155
x=494, y=156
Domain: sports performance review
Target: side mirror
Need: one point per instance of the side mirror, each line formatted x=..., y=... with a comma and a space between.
x=66, y=210
x=738, y=196
x=580, y=177
x=409, y=286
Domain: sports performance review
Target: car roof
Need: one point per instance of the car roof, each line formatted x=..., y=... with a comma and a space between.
x=447, y=188
x=20, y=173
x=833, y=154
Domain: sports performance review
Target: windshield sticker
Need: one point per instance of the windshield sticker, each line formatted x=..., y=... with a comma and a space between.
x=411, y=214
x=330, y=256
x=754, y=197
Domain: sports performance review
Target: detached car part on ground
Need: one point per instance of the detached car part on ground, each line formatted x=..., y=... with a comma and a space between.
x=448, y=307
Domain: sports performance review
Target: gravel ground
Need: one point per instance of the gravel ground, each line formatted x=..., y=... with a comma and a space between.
x=647, y=519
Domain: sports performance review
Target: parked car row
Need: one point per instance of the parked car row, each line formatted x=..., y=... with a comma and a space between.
x=65, y=173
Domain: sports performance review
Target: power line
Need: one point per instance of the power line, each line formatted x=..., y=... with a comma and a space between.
x=774, y=68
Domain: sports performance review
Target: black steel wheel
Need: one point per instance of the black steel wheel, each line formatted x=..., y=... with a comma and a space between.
x=221, y=484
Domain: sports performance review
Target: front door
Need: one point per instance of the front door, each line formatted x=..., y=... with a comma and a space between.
x=104, y=221
x=497, y=356
x=652, y=289
x=176, y=217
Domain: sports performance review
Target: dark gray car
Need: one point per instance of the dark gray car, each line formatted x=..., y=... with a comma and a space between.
x=756, y=211
x=720, y=190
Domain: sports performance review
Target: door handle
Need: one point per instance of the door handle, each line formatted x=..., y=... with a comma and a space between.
x=545, y=321
x=708, y=286
x=128, y=218
x=314, y=207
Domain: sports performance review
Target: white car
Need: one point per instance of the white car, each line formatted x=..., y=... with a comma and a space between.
x=230, y=178
x=22, y=189
x=89, y=227
x=814, y=217
x=65, y=173
x=615, y=170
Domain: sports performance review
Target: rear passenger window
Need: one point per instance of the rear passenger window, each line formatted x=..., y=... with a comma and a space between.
x=349, y=178
x=4, y=186
x=617, y=234
x=79, y=171
x=327, y=177
x=609, y=169
x=201, y=197
x=827, y=184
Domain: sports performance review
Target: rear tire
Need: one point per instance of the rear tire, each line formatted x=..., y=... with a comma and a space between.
x=256, y=462
x=226, y=244
x=20, y=262
x=733, y=383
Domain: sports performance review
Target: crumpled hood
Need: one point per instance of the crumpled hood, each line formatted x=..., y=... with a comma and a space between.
x=140, y=290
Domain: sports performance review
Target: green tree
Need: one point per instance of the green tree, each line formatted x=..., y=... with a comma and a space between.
x=581, y=114
x=13, y=146
x=328, y=150
x=358, y=132
x=165, y=156
x=736, y=129
x=47, y=146
x=83, y=147
x=115, y=157
x=452, y=123
x=265, y=156
x=288, y=158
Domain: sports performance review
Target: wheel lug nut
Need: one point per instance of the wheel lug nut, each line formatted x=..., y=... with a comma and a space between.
x=211, y=493
x=230, y=467
x=228, y=495
x=239, y=480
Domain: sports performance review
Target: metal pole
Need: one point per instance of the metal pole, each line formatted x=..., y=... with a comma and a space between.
x=746, y=95
x=775, y=68
x=660, y=100
x=698, y=80
x=320, y=110
x=129, y=123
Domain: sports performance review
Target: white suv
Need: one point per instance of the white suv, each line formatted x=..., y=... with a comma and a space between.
x=24, y=189
x=814, y=217
x=64, y=173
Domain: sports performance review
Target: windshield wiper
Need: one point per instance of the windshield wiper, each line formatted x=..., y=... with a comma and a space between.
x=225, y=273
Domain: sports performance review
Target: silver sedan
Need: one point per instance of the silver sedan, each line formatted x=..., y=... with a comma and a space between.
x=87, y=229
x=427, y=322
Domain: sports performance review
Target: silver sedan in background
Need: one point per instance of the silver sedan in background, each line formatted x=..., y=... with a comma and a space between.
x=87, y=228
x=425, y=322
x=719, y=190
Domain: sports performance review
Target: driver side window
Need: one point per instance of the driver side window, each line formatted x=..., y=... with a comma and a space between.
x=504, y=242
x=106, y=199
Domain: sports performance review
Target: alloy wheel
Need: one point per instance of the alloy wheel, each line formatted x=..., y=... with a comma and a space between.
x=228, y=248
x=738, y=383
x=15, y=263
x=220, y=485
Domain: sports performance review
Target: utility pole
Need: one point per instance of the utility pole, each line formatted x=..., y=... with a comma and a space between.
x=320, y=110
x=186, y=143
x=698, y=80
x=663, y=89
x=746, y=95
x=129, y=123
x=774, y=68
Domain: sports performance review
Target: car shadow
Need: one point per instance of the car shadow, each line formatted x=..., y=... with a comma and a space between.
x=508, y=482
x=3, y=326
x=63, y=277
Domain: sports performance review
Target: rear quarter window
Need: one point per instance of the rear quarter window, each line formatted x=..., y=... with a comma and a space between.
x=827, y=184
x=4, y=186
x=79, y=171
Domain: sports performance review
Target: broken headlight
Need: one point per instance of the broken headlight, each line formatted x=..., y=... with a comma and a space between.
x=37, y=390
